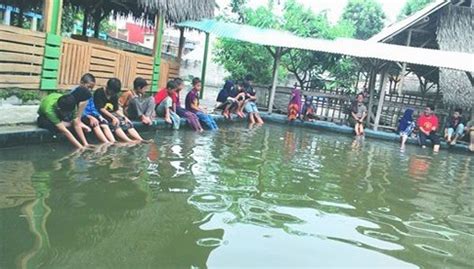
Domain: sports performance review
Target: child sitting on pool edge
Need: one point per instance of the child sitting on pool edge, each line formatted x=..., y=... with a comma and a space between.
x=165, y=101
x=106, y=101
x=358, y=114
x=192, y=105
x=57, y=113
x=136, y=105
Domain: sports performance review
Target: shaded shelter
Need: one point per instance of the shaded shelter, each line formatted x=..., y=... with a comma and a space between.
x=378, y=55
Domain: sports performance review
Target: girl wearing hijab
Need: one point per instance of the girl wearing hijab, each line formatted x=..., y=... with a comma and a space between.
x=294, y=107
x=406, y=126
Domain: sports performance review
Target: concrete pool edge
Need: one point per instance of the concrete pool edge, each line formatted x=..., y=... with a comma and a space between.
x=343, y=129
x=29, y=135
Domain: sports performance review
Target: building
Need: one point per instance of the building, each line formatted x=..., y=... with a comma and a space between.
x=442, y=25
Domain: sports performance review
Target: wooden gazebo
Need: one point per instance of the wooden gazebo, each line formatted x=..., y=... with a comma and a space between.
x=47, y=61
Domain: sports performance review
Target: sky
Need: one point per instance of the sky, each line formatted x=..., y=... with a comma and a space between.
x=334, y=7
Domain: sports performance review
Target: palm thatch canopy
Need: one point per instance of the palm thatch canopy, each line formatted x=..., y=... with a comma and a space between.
x=456, y=33
x=178, y=10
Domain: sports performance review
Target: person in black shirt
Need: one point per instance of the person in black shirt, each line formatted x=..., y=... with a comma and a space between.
x=250, y=103
x=455, y=127
x=106, y=101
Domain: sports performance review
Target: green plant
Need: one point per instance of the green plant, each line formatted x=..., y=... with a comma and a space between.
x=23, y=95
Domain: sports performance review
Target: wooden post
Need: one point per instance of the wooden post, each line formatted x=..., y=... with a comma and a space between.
x=276, y=63
x=7, y=16
x=373, y=77
x=383, y=80
x=404, y=66
x=181, y=44
x=204, y=66
x=52, y=12
x=159, y=28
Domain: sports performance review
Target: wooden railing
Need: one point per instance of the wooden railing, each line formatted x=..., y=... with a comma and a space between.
x=21, y=57
x=80, y=57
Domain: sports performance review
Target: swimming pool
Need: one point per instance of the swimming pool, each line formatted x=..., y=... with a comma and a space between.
x=262, y=197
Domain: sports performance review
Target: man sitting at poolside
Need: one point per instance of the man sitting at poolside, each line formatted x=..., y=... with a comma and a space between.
x=455, y=128
x=136, y=105
x=165, y=101
x=192, y=105
x=428, y=124
x=57, y=114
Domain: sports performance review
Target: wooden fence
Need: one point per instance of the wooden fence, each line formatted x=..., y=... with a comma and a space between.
x=334, y=105
x=21, y=57
x=22, y=53
x=80, y=57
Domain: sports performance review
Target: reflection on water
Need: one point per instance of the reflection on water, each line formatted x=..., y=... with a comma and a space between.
x=269, y=196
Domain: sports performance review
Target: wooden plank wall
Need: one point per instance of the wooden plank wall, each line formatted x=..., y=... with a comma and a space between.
x=80, y=57
x=21, y=57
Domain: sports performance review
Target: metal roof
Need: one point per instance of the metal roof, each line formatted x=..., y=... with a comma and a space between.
x=402, y=25
x=350, y=47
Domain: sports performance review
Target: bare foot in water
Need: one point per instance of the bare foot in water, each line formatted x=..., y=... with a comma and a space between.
x=168, y=120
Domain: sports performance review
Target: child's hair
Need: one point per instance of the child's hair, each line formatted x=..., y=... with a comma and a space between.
x=139, y=83
x=430, y=106
x=196, y=81
x=178, y=81
x=67, y=103
x=458, y=110
x=240, y=83
x=171, y=85
x=114, y=85
x=249, y=77
x=87, y=78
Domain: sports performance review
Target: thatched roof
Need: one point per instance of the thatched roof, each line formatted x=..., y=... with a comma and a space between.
x=173, y=10
x=456, y=33
x=179, y=10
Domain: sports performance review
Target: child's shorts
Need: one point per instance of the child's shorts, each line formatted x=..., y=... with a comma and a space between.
x=251, y=107
x=87, y=122
x=408, y=130
x=123, y=124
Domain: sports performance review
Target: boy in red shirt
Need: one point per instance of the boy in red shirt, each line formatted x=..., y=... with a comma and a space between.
x=428, y=124
x=165, y=101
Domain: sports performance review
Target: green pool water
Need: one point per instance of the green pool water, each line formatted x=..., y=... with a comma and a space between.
x=274, y=196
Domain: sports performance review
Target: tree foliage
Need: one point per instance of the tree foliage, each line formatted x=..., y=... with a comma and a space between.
x=309, y=68
x=412, y=6
x=367, y=17
x=240, y=58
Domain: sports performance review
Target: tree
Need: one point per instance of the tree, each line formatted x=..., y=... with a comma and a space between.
x=367, y=17
x=240, y=58
x=308, y=67
x=412, y=6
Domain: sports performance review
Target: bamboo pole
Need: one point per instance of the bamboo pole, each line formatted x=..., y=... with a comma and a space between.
x=159, y=27
x=276, y=63
x=52, y=12
x=373, y=77
x=204, y=65
x=378, y=114
x=181, y=44
x=404, y=66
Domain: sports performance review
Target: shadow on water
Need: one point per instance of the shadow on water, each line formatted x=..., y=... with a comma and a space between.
x=257, y=196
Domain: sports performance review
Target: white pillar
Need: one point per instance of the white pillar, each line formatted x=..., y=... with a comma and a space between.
x=7, y=16
x=276, y=63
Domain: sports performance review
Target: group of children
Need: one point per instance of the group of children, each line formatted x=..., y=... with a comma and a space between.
x=109, y=114
x=237, y=98
x=305, y=111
